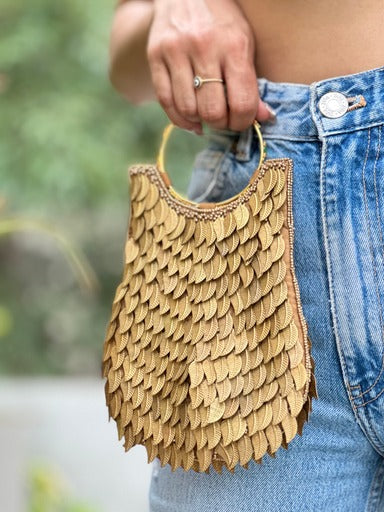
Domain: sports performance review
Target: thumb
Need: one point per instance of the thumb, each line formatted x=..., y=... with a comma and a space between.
x=265, y=112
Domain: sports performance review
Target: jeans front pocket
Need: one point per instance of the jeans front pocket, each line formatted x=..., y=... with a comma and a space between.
x=210, y=178
x=353, y=189
x=372, y=187
x=208, y=175
x=370, y=400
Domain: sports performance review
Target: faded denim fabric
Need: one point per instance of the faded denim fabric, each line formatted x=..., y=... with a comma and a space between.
x=338, y=211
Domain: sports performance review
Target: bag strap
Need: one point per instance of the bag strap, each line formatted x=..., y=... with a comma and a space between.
x=167, y=132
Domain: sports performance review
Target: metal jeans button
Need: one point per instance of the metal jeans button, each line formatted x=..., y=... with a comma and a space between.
x=333, y=104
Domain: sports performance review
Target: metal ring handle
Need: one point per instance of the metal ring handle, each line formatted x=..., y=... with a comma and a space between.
x=167, y=132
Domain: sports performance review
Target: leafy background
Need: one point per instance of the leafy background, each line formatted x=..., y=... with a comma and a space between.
x=66, y=140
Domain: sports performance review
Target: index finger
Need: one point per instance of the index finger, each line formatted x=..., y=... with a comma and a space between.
x=242, y=94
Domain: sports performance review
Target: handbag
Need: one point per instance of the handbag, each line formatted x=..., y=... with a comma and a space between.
x=207, y=358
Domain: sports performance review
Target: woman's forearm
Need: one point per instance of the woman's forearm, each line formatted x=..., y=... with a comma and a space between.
x=128, y=69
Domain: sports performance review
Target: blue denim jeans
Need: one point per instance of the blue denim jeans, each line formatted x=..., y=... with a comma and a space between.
x=338, y=211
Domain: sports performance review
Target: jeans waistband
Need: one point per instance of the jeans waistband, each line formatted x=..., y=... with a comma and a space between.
x=301, y=116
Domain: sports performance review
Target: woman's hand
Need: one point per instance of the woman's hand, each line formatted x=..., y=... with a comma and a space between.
x=212, y=39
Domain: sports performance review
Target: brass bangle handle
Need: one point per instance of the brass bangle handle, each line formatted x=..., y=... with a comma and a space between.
x=167, y=132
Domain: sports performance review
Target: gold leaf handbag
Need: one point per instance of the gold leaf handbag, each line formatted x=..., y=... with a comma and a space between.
x=207, y=356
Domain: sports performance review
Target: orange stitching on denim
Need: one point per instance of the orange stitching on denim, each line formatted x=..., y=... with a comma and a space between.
x=376, y=194
x=371, y=400
x=361, y=103
x=324, y=219
x=358, y=386
x=373, y=264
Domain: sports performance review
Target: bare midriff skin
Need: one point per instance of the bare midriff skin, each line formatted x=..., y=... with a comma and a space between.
x=309, y=40
x=157, y=46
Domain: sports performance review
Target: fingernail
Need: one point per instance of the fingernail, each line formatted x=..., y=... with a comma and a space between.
x=196, y=131
x=270, y=110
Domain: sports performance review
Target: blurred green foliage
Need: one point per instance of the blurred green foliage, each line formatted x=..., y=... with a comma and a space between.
x=66, y=139
x=49, y=492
